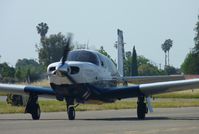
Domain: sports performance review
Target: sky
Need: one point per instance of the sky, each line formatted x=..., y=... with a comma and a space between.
x=145, y=24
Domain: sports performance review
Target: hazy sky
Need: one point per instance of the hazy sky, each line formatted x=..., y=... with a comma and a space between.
x=145, y=23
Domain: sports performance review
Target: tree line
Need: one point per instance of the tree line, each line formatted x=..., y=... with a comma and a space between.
x=50, y=50
x=25, y=70
x=141, y=66
x=191, y=62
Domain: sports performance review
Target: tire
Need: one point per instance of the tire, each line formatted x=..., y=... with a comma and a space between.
x=71, y=113
x=141, y=111
x=36, y=112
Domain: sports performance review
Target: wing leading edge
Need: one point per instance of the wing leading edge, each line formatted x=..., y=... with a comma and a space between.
x=149, y=89
x=152, y=79
x=171, y=86
x=22, y=89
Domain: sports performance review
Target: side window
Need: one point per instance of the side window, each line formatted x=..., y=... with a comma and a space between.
x=102, y=61
x=114, y=67
x=111, y=67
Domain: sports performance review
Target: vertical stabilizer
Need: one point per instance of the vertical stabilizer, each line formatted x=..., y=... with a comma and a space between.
x=120, y=53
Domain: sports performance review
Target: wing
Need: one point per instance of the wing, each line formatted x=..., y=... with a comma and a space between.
x=22, y=89
x=171, y=86
x=151, y=79
x=149, y=89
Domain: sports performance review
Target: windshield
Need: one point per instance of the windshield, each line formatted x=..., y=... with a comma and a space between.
x=84, y=56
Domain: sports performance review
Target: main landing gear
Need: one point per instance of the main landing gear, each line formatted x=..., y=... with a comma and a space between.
x=33, y=107
x=70, y=108
x=141, y=107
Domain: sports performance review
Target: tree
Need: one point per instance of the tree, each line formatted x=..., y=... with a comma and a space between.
x=170, y=70
x=146, y=68
x=102, y=51
x=6, y=70
x=134, y=63
x=127, y=64
x=166, y=46
x=51, y=49
x=42, y=29
x=142, y=60
x=169, y=43
x=26, y=63
x=28, y=70
x=7, y=73
x=196, y=38
x=191, y=62
x=18, y=74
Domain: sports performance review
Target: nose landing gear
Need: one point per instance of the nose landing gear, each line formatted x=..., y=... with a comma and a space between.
x=71, y=113
x=70, y=108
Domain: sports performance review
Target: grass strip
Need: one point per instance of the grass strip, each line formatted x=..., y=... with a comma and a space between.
x=56, y=106
x=188, y=94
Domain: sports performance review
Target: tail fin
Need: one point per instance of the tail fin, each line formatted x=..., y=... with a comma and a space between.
x=120, y=53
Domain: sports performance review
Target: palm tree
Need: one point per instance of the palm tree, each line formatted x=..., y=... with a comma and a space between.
x=164, y=48
x=169, y=43
x=42, y=29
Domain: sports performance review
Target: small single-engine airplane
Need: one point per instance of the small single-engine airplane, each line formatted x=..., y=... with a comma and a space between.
x=85, y=76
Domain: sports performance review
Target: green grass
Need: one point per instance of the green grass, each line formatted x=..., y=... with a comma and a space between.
x=7, y=108
x=188, y=94
x=3, y=94
x=56, y=106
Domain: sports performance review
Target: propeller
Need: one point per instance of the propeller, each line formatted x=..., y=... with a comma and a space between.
x=66, y=49
x=64, y=58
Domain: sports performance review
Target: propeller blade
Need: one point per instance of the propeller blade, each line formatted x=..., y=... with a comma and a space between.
x=64, y=58
x=69, y=77
x=66, y=49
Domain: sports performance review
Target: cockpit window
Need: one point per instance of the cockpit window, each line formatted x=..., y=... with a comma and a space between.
x=84, y=56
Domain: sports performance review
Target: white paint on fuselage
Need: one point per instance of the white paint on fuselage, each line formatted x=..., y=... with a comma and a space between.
x=88, y=72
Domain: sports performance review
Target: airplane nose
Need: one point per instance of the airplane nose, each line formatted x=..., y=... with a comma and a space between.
x=63, y=68
x=58, y=68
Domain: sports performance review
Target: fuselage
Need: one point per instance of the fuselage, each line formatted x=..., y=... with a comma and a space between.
x=85, y=67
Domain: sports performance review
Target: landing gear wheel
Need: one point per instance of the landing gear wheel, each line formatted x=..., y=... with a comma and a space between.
x=71, y=113
x=141, y=108
x=141, y=111
x=36, y=112
x=33, y=107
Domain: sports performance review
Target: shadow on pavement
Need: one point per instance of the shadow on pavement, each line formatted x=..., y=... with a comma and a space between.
x=146, y=119
x=108, y=119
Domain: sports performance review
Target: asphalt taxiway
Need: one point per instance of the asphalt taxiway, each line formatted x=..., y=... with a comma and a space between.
x=164, y=121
